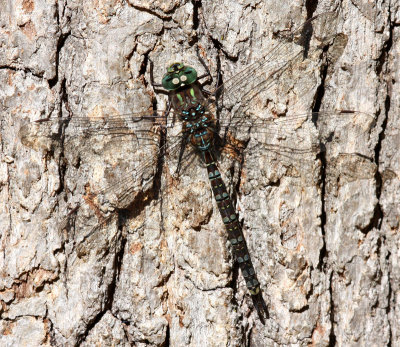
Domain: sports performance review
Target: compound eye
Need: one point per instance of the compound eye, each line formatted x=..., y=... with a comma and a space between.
x=175, y=81
x=189, y=75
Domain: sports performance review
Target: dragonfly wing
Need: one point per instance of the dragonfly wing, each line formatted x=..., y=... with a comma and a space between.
x=133, y=185
x=240, y=90
x=103, y=145
x=41, y=134
x=298, y=142
x=121, y=192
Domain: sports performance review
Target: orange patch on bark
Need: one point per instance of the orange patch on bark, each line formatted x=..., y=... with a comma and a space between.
x=29, y=30
x=8, y=328
x=89, y=198
x=10, y=77
x=181, y=321
x=163, y=244
x=234, y=147
x=135, y=247
x=27, y=285
x=28, y=5
x=168, y=318
x=318, y=334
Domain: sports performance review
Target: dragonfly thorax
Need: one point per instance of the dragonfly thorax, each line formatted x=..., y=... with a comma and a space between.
x=179, y=75
x=193, y=113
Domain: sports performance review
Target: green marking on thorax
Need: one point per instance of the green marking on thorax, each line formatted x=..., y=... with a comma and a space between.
x=192, y=93
x=179, y=96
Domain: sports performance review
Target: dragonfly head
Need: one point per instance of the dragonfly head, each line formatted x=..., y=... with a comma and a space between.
x=178, y=75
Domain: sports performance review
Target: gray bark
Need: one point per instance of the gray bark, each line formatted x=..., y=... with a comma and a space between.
x=159, y=272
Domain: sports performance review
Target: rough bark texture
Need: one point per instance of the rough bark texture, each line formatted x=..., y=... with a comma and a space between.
x=160, y=273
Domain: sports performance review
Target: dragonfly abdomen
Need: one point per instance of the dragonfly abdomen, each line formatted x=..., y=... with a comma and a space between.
x=232, y=225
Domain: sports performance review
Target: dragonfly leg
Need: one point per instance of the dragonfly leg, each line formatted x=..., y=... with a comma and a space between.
x=204, y=91
x=168, y=110
x=208, y=73
x=158, y=87
x=181, y=151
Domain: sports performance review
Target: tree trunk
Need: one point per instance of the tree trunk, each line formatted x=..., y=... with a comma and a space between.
x=153, y=268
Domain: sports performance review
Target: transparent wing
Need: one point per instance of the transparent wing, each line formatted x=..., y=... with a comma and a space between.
x=138, y=134
x=40, y=133
x=121, y=192
x=133, y=185
x=296, y=142
x=292, y=50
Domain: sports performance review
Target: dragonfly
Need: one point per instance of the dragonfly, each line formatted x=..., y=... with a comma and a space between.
x=200, y=129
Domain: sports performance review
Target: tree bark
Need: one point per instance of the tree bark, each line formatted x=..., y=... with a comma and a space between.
x=158, y=270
